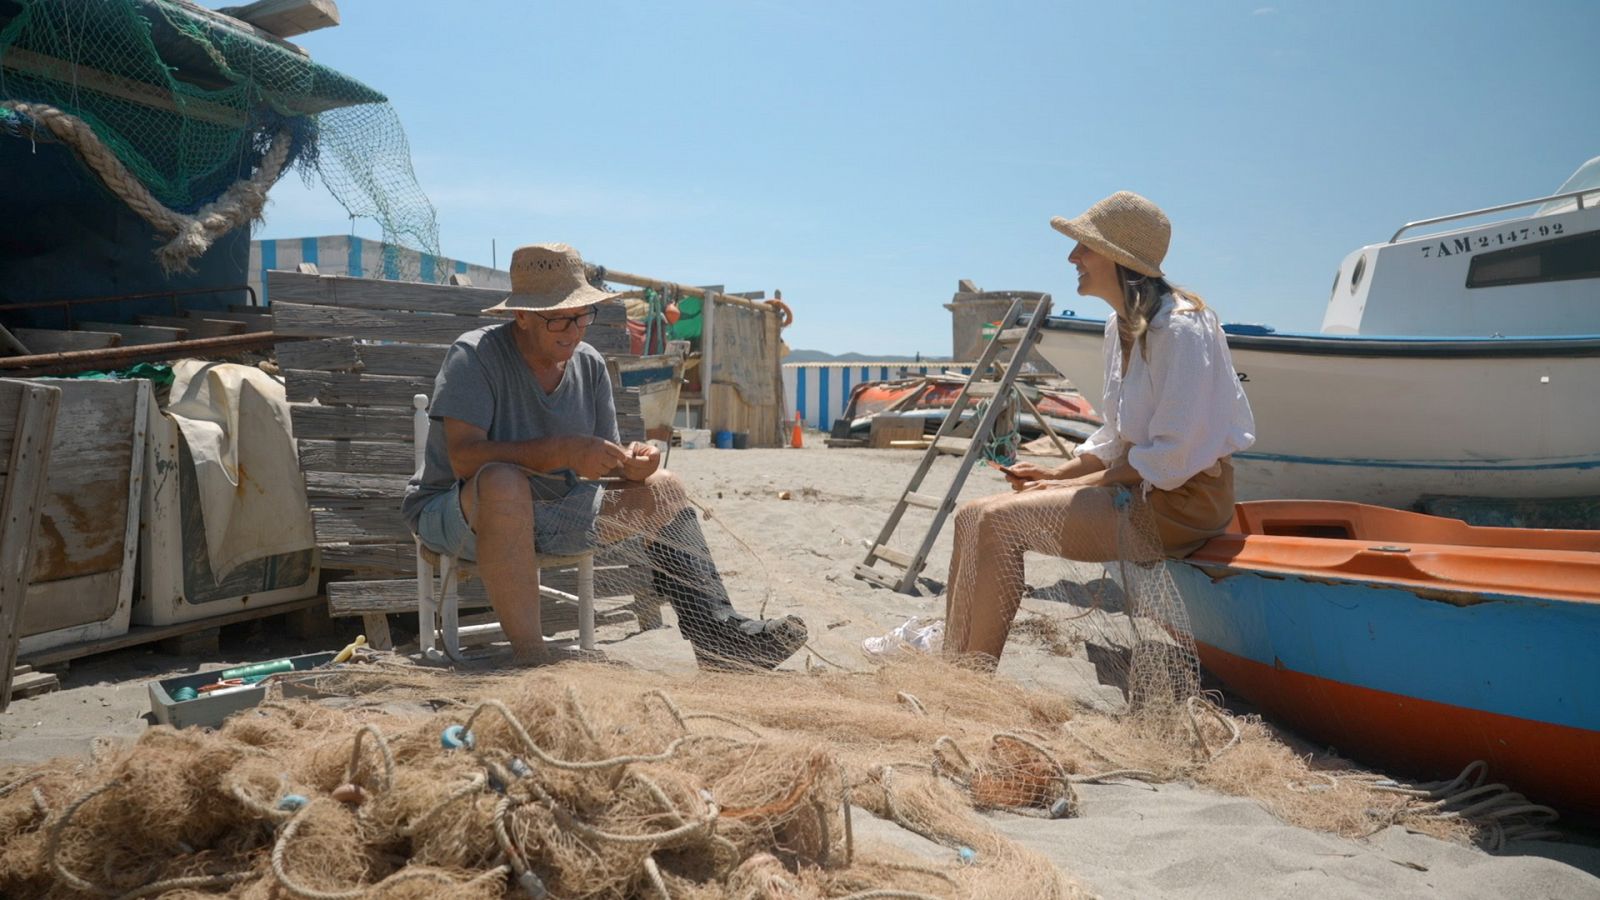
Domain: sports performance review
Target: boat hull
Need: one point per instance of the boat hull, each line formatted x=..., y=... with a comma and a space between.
x=1421, y=680
x=1389, y=421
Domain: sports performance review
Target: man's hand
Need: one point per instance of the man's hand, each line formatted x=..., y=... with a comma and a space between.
x=642, y=462
x=596, y=457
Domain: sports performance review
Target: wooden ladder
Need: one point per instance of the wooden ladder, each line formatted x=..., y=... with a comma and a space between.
x=991, y=380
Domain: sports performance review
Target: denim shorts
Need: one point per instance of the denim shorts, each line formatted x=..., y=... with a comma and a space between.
x=566, y=516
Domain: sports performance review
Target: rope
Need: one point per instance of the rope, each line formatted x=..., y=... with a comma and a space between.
x=911, y=700
x=190, y=236
x=654, y=871
x=1216, y=713
x=383, y=748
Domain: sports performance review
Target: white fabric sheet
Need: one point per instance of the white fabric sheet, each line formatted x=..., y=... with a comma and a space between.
x=235, y=420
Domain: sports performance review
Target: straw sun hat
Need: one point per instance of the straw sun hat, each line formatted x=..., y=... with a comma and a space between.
x=1126, y=228
x=548, y=276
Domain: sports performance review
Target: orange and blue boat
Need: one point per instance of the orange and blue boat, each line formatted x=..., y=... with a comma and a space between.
x=1412, y=642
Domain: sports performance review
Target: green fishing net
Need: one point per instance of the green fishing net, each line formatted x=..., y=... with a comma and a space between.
x=191, y=102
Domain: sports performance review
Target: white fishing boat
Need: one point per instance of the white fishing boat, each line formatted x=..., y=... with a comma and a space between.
x=1461, y=362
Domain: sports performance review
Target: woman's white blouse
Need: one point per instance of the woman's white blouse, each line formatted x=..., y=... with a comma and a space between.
x=1180, y=408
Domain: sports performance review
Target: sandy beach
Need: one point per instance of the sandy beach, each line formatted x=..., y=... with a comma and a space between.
x=795, y=556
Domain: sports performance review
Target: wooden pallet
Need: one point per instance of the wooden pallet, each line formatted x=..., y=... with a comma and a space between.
x=147, y=634
x=25, y=682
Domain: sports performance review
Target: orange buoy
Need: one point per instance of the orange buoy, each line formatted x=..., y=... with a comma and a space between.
x=797, y=437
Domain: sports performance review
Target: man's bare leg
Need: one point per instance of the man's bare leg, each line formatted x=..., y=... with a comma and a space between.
x=498, y=504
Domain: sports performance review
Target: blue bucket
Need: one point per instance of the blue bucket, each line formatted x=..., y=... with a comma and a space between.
x=723, y=440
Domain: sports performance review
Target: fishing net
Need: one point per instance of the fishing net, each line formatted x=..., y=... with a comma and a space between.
x=574, y=781
x=647, y=541
x=590, y=780
x=189, y=117
x=1132, y=618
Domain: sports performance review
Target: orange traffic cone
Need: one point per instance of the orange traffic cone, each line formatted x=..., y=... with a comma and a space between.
x=797, y=438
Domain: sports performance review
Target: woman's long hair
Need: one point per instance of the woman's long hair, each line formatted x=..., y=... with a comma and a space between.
x=1141, y=299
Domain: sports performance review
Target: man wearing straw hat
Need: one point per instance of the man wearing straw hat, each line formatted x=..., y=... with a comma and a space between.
x=521, y=423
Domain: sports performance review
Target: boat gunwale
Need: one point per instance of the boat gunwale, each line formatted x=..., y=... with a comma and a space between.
x=1381, y=346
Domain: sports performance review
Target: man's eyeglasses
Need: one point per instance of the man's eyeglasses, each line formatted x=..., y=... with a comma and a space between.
x=562, y=323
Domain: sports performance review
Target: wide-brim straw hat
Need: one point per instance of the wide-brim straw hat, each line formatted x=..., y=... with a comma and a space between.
x=1124, y=227
x=546, y=277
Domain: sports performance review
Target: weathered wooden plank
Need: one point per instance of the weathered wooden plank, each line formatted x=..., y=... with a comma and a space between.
x=83, y=524
x=50, y=340
x=418, y=360
x=356, y=457
x=29, y=411
x=327, y=354
x=261, y=320
x=347, y=355
x=197, y=328
x=138, y=334
x=352, y=423
x=144, y=634
x=354, y=598
x=352, y=389
x=287, y=18
x=10, y=402
x=343, y=487
x=377, y=294
x=371, y=324
x=374, y=524
x=394, y=560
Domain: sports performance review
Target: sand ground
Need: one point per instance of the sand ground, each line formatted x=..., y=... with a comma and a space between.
x=795, y=556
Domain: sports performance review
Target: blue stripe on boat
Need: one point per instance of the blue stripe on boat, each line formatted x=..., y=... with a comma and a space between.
x=1532, y=658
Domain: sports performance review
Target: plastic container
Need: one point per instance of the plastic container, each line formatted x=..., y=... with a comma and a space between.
x=169, y=706
x=741, y=440
x=723, y=440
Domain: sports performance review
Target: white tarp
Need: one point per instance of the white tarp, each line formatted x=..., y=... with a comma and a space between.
x=235, y=420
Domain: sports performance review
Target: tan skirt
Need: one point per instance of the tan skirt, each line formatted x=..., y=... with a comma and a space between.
x=1195, y=512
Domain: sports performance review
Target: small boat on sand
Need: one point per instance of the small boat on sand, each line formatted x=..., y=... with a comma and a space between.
x=1411, y=641
x=1067, y=413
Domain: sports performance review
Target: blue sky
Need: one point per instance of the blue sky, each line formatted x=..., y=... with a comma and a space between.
x=864, y=157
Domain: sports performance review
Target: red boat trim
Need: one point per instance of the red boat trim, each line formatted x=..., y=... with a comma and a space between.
x=1549, y=763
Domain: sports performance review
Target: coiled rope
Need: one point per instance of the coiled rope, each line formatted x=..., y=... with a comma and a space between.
x=189, y=236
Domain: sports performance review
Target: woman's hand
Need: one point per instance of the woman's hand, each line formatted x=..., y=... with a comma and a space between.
x=1021, y=474
x=1044, y=485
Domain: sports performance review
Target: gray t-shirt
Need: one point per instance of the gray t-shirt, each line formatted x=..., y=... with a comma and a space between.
x=485, y=382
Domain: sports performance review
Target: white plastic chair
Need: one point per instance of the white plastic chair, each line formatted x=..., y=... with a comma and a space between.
x=438, y=615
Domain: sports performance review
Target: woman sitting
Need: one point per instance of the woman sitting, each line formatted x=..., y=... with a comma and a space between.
x=1174, y=412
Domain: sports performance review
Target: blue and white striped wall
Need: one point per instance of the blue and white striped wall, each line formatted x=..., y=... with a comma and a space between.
x=821, y=390
x=346, y=254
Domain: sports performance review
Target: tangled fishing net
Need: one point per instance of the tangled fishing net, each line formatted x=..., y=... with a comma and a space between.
x=581, y=781
x=189, y=118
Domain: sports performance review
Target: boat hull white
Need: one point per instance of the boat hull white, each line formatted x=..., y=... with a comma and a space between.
x=1390, y=420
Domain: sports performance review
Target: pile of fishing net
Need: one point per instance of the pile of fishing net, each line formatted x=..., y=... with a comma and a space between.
x=590, y=780
x=576, y=781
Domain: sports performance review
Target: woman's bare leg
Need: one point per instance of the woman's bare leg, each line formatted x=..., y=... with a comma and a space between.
x=986, y=570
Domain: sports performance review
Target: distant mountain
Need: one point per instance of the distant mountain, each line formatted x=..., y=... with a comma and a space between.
x=798, y=356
